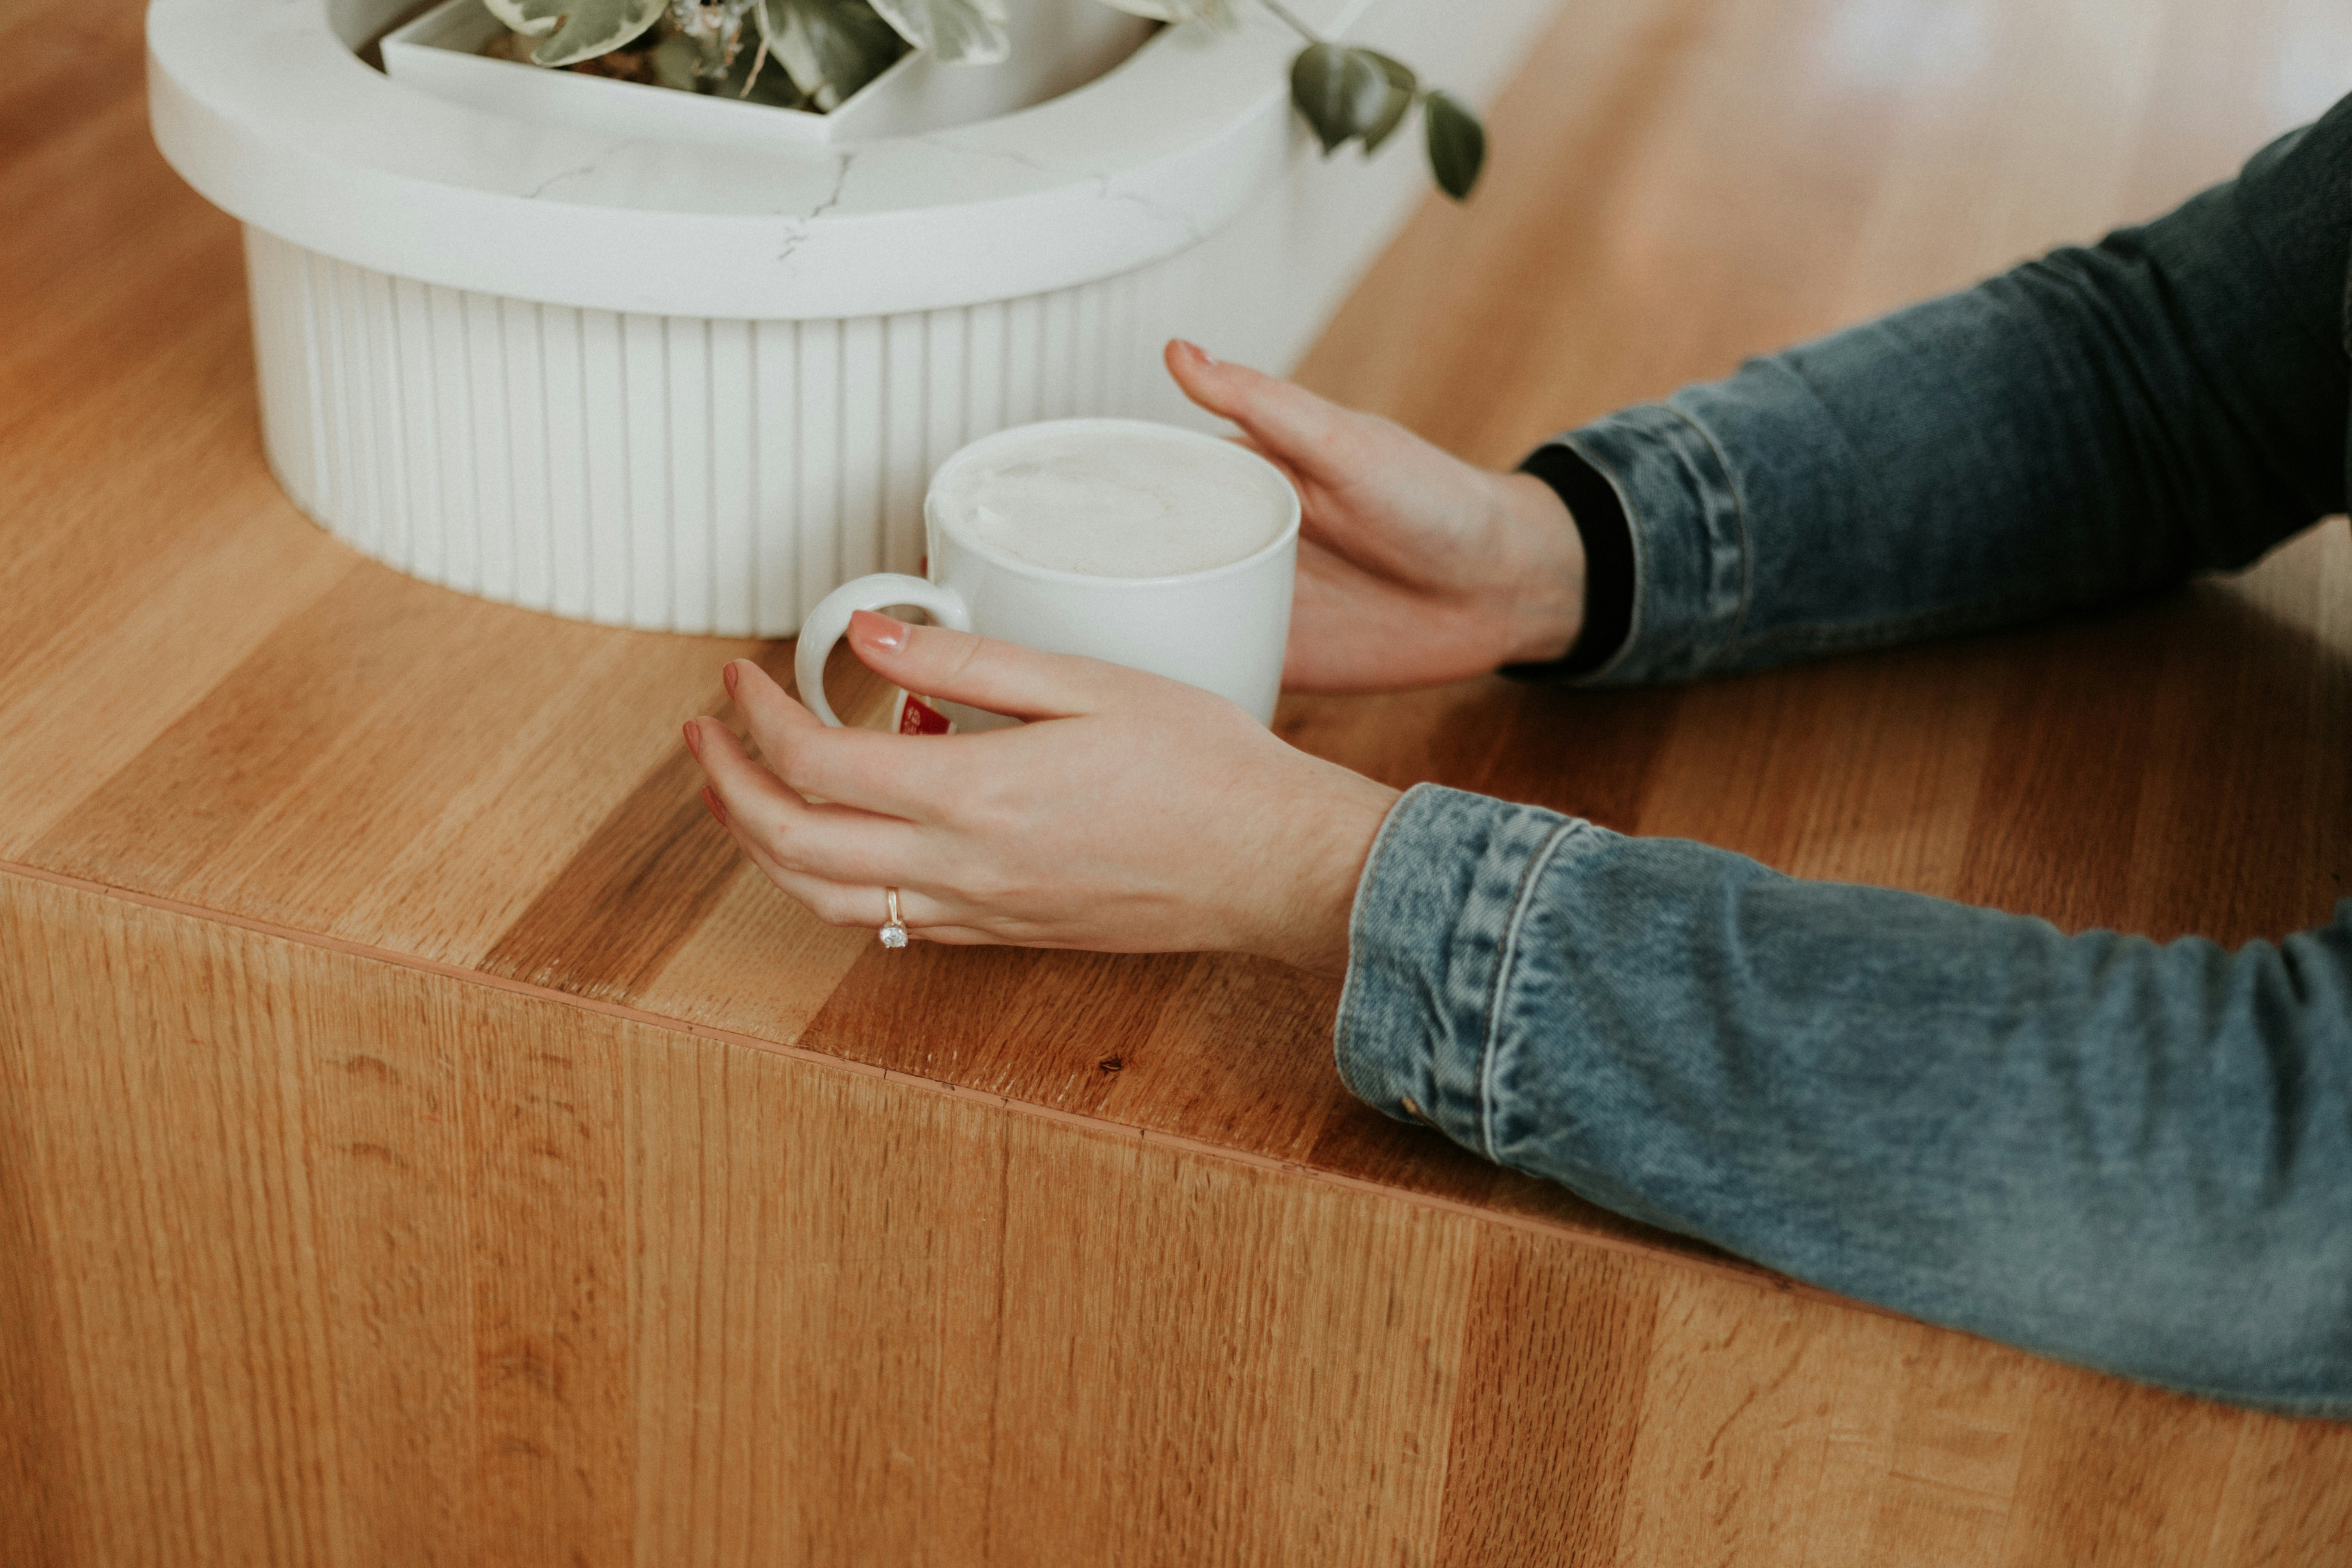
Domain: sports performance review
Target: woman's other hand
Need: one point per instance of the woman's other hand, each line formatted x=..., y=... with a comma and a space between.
x=1132, y=814
x=1413, y=566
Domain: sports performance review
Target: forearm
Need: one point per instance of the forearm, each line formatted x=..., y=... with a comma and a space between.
x=2135, y=1156
x=2090, y=426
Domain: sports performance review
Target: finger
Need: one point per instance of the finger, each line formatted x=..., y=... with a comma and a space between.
x=854, y=905
x=756, y=851
x=854, y=767
x=747, y=789
x=1284, y=419
x=851, y=904
x=1002, y=676
x=779, y=828
x=771, y=712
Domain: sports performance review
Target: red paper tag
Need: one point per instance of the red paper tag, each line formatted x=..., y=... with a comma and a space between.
x=916, y=717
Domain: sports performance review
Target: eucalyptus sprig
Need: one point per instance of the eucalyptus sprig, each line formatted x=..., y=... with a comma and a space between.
x=1352, y=94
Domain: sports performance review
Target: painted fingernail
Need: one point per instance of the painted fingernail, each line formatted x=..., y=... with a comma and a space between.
x=1188, y=346
x=718, y=807
x=727, y=677
x=693, y=741
x=878, y=632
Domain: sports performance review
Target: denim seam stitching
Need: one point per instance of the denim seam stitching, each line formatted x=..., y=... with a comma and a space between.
x=1341, y=1025
x=1739, y=514
x=1504, y=960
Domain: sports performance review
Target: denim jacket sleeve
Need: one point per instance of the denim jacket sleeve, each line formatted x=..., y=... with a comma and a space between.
x=2131, y=1155
x=2134, y=1156
x=2092, y=424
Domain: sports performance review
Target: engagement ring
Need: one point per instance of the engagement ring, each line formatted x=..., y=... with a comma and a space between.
x=894, y=930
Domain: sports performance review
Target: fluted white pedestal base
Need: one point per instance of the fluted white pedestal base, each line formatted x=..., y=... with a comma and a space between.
x=669, y=472
x=694, y=389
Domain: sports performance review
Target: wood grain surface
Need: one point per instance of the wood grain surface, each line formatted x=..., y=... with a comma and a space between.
x=420, y=1141
x=338, y=1261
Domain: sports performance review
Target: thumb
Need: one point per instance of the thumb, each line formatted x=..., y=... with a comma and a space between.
x=1001, y=677
x=1287, y=422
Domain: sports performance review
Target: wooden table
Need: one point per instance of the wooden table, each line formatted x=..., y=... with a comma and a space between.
x=422, y=1142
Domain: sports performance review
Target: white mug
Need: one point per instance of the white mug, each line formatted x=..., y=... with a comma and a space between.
x=1222, y=629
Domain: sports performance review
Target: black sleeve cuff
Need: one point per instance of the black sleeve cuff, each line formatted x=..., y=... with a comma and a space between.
x=1592, y=502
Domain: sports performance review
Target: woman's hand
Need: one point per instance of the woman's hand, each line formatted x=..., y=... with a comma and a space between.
x=1413, y=566
x=1133, y=814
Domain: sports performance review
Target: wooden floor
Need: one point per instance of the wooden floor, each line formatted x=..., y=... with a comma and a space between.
x=421, y=1142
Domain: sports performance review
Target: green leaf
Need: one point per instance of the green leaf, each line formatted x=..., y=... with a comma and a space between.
x=757, y=77
x=676, y=63
x=829, y=48
x=1402, y=85
x=956, y=32
x=1221, y=14
x=523, y=18
x=1341, y=91
x=1458, y=143
x=577, y=30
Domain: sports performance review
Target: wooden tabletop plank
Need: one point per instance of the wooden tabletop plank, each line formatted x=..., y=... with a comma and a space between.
x=206, y=702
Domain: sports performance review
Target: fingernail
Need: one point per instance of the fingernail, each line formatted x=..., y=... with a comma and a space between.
x=877, y=632
x=727, y=677
x=1196, y=351
x=718, y=807
x=693, y=741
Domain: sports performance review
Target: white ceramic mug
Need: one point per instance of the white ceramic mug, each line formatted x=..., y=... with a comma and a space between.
x=1222, y=629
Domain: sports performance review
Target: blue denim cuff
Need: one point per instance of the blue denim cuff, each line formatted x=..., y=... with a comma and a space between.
x=1691, y=569
x=1430, y=944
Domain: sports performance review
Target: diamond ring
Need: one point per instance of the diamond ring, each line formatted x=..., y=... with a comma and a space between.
x=894, y=930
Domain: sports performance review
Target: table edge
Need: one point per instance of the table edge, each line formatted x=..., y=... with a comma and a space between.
x=1729, y=1268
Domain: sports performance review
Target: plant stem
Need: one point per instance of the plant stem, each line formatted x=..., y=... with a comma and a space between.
x=1293, y=22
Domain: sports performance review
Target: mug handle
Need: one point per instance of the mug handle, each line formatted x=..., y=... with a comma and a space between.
x=824, y=625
